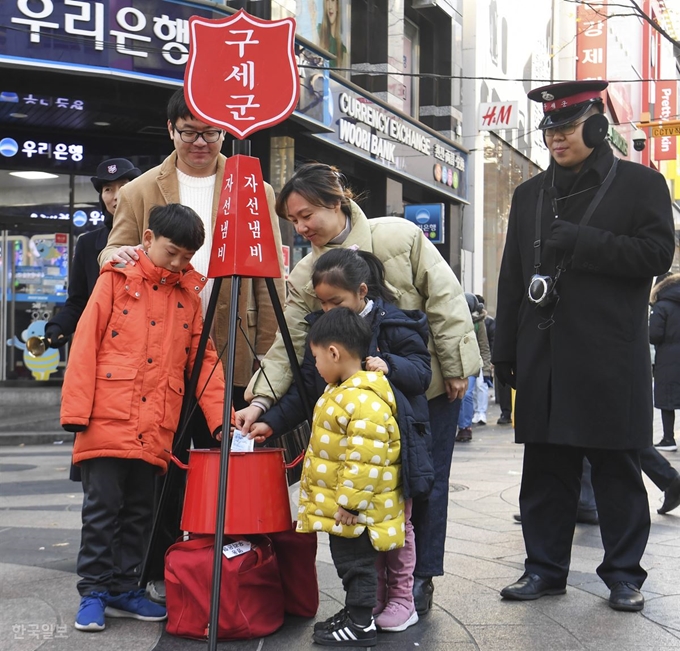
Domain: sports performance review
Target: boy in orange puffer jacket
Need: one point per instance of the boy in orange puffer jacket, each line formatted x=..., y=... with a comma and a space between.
x=122, y=394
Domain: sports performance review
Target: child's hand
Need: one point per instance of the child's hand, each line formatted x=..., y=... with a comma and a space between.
x=377, y=364
x=345, y=517
x=260, y=432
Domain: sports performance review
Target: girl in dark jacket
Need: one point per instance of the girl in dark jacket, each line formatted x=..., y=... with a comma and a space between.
x=355, y=279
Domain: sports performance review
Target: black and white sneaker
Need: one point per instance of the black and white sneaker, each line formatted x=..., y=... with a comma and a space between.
x=667, y=445
x=344, y=632
x=339, y=616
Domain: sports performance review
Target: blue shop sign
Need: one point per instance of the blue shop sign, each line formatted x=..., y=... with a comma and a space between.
x=429, y=217
x=370, y=129
x=123, y=37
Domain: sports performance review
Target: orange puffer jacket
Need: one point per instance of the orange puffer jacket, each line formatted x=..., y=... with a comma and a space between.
x=134, y=343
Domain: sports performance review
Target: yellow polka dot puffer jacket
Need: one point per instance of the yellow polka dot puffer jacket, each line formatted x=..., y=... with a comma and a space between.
x=353, y=461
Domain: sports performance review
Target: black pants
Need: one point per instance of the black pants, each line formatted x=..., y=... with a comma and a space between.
x=653, y=464
x=549, y=499
x=503, y=398
x=117, y=510
x=657, y=468
x=668, y=422
x=354, y=560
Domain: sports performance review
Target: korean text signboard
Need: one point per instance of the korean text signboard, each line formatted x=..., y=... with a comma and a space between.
x=243, y=241
x=429, y=218
x=141, y=40
x=242, y=77
x=591, y=40
x=373, y=132
x=233, y=79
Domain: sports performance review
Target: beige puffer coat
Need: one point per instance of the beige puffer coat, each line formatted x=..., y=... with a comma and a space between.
x=420, y=278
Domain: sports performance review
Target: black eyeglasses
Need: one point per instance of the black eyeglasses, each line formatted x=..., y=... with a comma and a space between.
x=189, y=135
x=565, y=129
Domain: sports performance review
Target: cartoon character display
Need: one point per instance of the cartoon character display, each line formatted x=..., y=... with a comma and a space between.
x=41, y=367
x=47, y=250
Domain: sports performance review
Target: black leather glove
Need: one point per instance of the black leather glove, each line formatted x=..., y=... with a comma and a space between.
x=562, y=236
x=74, y=428
x=505, y=372
x=54, y=336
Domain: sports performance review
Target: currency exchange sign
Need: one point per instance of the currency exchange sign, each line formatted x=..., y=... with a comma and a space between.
x=241, y=75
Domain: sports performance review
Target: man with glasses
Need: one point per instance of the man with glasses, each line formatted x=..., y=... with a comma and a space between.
x=585, y=240
x=192, y=175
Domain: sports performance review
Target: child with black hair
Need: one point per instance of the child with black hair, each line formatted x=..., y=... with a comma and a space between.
x=398, y=348
x=351, y=478
x=122, y=394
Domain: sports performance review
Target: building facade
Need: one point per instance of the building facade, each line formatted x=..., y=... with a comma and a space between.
x=87, y=81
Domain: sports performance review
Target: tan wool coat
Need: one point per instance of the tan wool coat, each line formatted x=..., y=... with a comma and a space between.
x=159, y=186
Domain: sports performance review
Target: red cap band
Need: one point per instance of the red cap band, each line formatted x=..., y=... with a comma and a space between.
x=565, y=102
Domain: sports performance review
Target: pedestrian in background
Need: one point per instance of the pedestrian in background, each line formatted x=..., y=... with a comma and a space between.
x=585, y=240
x=664, y=334
x=111, y=176
x=484, y=381
x=465, y=419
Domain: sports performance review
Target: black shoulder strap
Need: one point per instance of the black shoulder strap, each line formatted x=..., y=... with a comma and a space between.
x=586, y=217
x=600, y=193
x=537, y=240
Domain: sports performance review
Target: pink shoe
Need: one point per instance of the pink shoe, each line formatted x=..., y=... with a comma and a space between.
x=396, y=617
x=380, y=606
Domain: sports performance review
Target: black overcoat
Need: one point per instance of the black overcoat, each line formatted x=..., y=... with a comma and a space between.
x=664, y=333
x=586, y=380
x=81, y=279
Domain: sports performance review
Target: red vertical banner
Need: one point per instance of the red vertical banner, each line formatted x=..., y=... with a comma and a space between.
x=591, y=41
x=666, y=108
x=243, y=240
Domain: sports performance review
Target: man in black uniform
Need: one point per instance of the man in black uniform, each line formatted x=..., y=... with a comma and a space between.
x=585, y=240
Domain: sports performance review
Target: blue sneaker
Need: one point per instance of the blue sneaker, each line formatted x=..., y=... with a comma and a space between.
x=135, y=605
x=90, y=615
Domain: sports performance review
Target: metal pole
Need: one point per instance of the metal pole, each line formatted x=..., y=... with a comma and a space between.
x=175, y=473
x=224, y=468
x=288, y=343
x=237, y=147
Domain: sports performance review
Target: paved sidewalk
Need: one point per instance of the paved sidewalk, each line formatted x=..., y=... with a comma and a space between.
x=39, y=538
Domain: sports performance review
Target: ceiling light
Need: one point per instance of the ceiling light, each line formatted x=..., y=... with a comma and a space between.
x=34, y=176
x=102, y=124
x=18, y=115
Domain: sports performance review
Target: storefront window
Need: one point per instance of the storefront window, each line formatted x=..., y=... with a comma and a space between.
x=34, y=262
x=37, y=222
x=504, y=170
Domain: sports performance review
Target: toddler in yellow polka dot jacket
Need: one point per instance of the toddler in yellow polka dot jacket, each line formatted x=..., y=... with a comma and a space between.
x=351, y=477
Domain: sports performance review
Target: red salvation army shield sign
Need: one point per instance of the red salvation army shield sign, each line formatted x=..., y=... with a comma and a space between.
x=241, y=75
